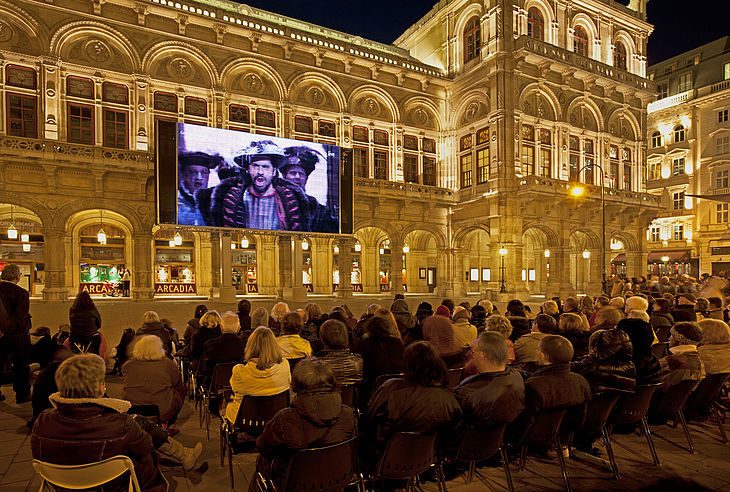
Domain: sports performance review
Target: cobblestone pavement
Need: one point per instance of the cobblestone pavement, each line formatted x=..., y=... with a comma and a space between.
x=707, y=469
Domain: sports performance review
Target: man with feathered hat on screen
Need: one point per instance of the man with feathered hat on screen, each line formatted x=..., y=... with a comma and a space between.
x=256, y=198
x=299, y=162
x=194, y=169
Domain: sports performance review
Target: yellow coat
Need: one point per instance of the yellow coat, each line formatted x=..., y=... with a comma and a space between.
x=248, y=380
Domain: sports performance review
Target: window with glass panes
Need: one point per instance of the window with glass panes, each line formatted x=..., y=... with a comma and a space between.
x=528, y=150
x=21, y=102
x=655, y=233
x=656, y=139
x=685, y=82
x=588, y=161
x=361, y=139
x=613, y=170
x=410, y=158
x=574, y=158
x=429, y=161
x=678, y=134
x=116, y=99
x=722, y=144
x=678, y=166
x=663, y=90
x=80, y=124
x=265, y=118
x=722, y=179
x=482, y=151
x=535, y=24
x=619, y=56
x=303, y=124
x=196, y=106
x=678, y=232
x=580, y=41
x=164, y=101
x=380, y=155
x=655, y=170
x=472, y=39
x=326, y=128
x=626, y=159
x=678, y=200
x=726, y=71
x=546, y=152
x=466, y=143
x=238, y=116
x=721, y=210
x=722, y=116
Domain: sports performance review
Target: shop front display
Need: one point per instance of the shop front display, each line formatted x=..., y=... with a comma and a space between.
x=102, y=262
x=307, y=266
x=243, y=264
x=384, y=271
x=174, y=269
x=24, y=248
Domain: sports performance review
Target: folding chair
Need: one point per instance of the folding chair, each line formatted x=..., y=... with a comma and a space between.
x=545, y=431
x=596, y=422
x=454, y=377
x=86, y=476
x=669, y=406
x=704, y=401
x=219, y=382
x=481, y=444
x=633, y=410
x=407, y=455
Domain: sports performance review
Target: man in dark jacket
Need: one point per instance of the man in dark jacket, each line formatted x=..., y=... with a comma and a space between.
x=608, y=365
x=685, y=308
x=346, y=366
x=15, y=339
x=497, y=394
x=648, y=370
x=244, y=316
x=554, y=386
x=153, y=326
x=226, y=348
x=316, y=417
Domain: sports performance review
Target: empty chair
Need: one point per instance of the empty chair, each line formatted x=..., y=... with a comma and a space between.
x=219, y=382
x=704, y=401
x=324, y=469
x=633, y=410
x=481, y=444
x=596, y=423
x=407, y=455
x=252, y=416
x=669, y=405
x=86, y=476
x=544, y=431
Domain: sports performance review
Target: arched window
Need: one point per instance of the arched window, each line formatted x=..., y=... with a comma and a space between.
x=580, y=41
x=472, y=39
x=535, y=24
x=678, y=134
x=619, y=56
x=656, y=139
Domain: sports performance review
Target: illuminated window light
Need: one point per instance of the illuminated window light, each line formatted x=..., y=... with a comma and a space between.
x=358, y=247
x=336, y=249
x=305, y=245
x=381, y=251
x=12, y=232
x=171, y=243
x=233, y=245
x=406, y=249
x=101, y=236
x=26, y=247
x=547, y=253
x=178, y=239
x=244, y=242
x=24, y=238
x=586, y=254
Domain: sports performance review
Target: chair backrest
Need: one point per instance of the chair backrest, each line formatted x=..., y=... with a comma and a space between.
x=89, y=475
x=293, y=363
x=545, y=427
x=480, y=444
x=255, y=411
x=454, y=377
x=635, y=407
x=674, y=398
x=383, y=378
x=406, y=455
x=347, y=393
x=325, y=469
x=152, y=411
x=709, y=388
x=222, y=376
x=660, y=350
x=599, y=409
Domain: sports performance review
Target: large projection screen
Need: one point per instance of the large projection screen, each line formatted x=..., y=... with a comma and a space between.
x=211, y=177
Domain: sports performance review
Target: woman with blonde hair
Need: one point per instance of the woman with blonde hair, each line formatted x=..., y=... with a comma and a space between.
x=715, y=347
x=551, y=308
x=571, y=327
x=210, y=328
x=277, y=312
x=392, y=323
x=265, y=373
x=151, y=378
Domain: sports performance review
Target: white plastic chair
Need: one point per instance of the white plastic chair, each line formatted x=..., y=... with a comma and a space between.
x=86, y=476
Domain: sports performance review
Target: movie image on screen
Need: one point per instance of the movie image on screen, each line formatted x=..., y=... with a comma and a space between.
x=228, y=178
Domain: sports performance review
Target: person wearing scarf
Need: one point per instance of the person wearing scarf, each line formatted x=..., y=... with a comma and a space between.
x=683, y=362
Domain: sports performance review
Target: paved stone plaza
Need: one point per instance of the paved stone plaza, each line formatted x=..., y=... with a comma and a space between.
x=707, y=469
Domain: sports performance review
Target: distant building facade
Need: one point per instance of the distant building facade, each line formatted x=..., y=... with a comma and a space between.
x=466, y=134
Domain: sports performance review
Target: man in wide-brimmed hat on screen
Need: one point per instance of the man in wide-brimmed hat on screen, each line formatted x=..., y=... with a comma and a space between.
x=194, y=169
x=257, y=197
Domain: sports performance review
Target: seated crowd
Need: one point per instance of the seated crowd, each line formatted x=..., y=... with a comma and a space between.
x=511, y=367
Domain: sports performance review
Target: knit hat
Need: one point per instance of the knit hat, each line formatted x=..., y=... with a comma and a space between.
x=443, y=311
x=460, y=312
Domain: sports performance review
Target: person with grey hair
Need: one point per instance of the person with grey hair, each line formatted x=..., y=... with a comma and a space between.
x=14, y=330
x=497, y=394
x=153, y=326
x=85, y=426
x=228, y=347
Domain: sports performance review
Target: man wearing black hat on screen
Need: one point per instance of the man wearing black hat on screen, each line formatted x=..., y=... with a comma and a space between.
x=194, y=173
x=257, y=197
x=299, y=162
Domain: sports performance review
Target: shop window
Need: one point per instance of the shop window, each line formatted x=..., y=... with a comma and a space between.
x=472, y=39
x=238, y=114
x=265, y=118
x=243, y=262
x=21, y=115
x=619, y=56
x=174, y=269
x=101, y=266
x=535, y=24
x=580, y=41
x=165, y=101
x=80, y=124
x=114, y=93
x=115, y=129
x=79, y=87
x=24, y=77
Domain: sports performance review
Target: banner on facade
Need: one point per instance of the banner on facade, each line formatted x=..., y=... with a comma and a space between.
x=100, y=289
x=177, y=288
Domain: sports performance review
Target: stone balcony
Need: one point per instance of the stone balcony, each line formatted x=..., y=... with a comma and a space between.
x=408, y=191
x=573, y=60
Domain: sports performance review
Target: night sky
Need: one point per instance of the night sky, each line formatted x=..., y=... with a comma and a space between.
x=679, y=25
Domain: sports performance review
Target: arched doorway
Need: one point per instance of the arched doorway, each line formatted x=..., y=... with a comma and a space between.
x=585, y=262
x=374, y=259
x=535, y=270
x=21, y=243
x=243, y=263
x=420, y=261
x=174, y=265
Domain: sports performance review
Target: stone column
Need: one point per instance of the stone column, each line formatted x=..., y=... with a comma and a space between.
x=55, y=265
x=558, y=283
x=215, y=263
x=266, y=260
x=321, y=265
x=592, y=272
x=370, y=269
x=227, y=292
x=344, y=264
x=444, y=285
x=396, y=268
x=142, y=286
x=290, y=270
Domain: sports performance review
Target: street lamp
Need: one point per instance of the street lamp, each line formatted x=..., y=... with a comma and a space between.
x=579, y=190
x=502, y=286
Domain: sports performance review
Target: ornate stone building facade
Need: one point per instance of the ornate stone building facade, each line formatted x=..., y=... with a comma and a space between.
x=689, y=161
x=466, y=134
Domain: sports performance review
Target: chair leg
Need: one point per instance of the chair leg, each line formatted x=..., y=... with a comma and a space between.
x=222, y=444
x=523, y=457
x=683, y=421
x=611, y=456
x=507, y=473
x=230, y=463
x=718, y=419
x=649, y=440
x=563, y=467
x=207, y=422
x=470, y=472
x=441, y=476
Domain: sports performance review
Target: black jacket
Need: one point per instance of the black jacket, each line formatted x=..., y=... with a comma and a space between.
x=84, y=322
x=647, y=366
x=520, y=326
x=684, y=312
x=661, y=323
x=609, y=368
x=491, y=398
x=226, y=348
x=198, y=341
x=579, y=339
x=157, y=328
x=17, y=303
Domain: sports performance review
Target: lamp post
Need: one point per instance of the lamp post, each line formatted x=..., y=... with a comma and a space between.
x=579, y=190
x=502, y=286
